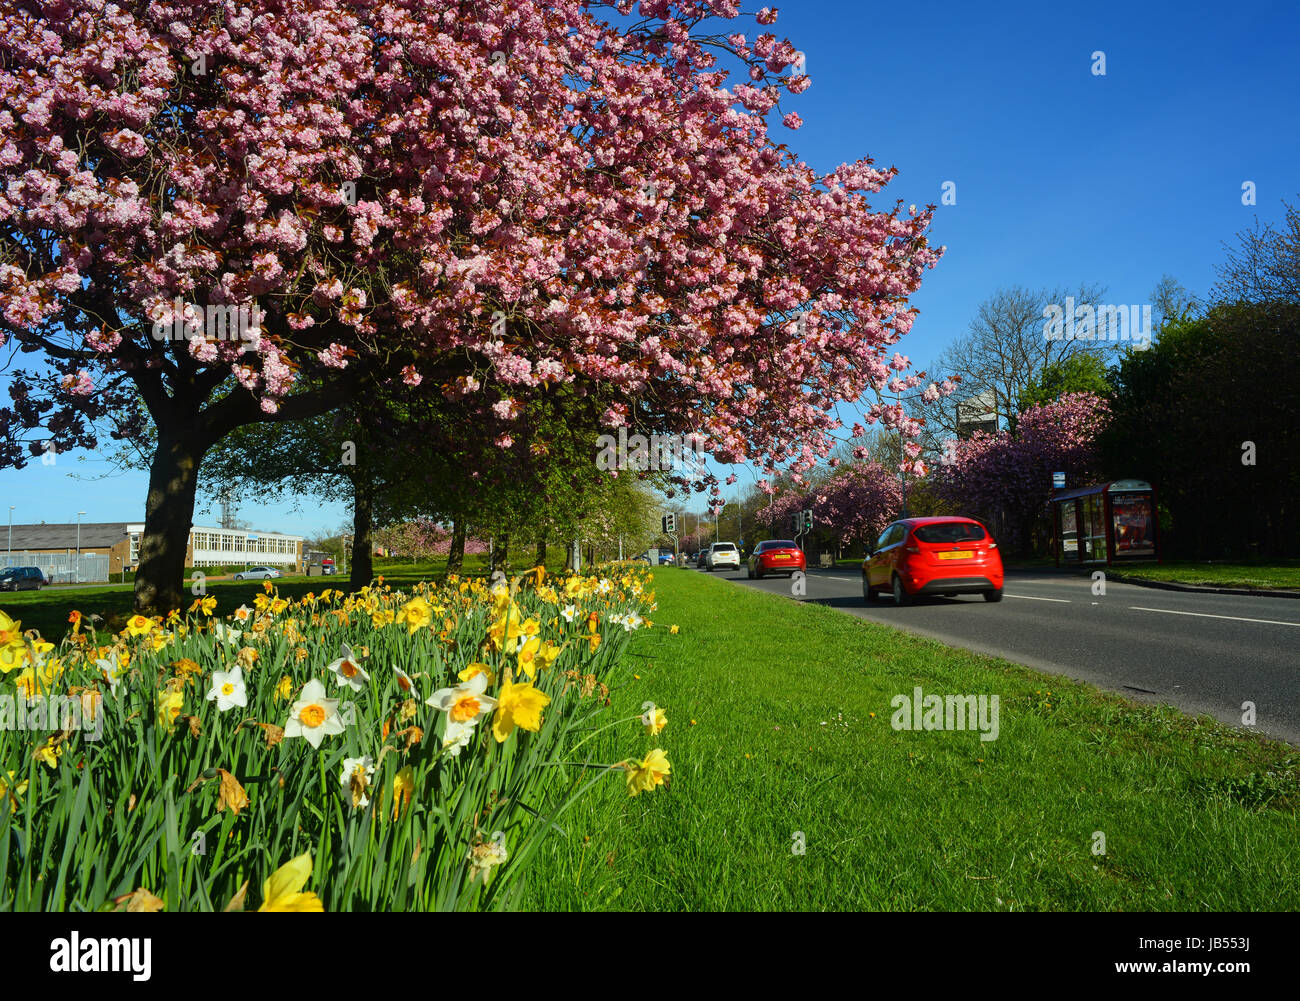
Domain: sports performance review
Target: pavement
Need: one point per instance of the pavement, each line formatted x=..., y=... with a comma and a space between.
x=1203, y=652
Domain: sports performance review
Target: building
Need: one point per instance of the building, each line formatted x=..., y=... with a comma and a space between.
x=48, y=546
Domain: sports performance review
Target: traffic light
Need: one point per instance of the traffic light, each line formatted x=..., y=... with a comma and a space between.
x=807, y=521
x=797, y=521
x=670, y=524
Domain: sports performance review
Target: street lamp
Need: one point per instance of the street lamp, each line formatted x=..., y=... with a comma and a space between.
x=76, y=575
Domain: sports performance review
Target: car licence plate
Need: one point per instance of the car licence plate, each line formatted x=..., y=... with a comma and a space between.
x=957, y=554
x=781, y=556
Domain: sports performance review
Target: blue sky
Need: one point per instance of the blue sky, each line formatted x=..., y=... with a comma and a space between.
x=1062, y=177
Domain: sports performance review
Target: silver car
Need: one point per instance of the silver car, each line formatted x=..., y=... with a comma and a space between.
x=258, y=573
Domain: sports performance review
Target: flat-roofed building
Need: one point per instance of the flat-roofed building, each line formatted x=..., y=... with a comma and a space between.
x=120, y=541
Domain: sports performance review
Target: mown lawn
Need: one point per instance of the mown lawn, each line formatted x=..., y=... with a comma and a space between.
x=1283, y=574
x=779, y=722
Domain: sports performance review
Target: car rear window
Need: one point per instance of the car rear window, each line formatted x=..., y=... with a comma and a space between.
x=724, y=547
x=779, y=544
x=950, y=531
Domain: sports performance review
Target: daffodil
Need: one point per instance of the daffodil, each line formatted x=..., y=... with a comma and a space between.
x=347, y=671
x=518, y=706
x=139, y=625
x=355, y=779
x=464, y=705
x=243, y=613
x=49, y=753
x=283, y=891
x=403, y=790
x=477, y=667
x=415, y=614
x=285, y=688
x=651, y=771
x=13, y=791
x=654, y=725
x=404, y=683
x=224, y=634
x=484, y=855
x=313, y=716
x=228, y=689
x=170, y=700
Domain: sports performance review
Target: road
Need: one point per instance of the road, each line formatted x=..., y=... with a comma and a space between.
x=1204, y=653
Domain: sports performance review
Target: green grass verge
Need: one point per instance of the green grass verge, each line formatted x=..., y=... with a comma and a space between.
x=792, y=733
x=1283, y=574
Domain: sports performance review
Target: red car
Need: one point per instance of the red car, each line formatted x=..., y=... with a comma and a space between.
x=776, y=556
x=938, y=556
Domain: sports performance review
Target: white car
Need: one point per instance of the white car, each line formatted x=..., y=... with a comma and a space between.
x=721, y=555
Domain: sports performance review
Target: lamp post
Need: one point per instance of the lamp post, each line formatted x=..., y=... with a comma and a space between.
x=76, y=574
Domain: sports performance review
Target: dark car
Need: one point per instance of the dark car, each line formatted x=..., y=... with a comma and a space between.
x=22, y=579
x=776, y=556
x=933, y=556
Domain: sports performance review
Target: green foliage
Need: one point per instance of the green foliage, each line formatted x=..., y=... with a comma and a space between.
x=1211, y=411
x=1081, y=372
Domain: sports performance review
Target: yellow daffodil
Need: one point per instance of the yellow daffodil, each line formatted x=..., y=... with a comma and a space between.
x=477, y=668
x=284, y=689
x=403, y=790
x=655, y=725
x=415, y=614
x=518, y=706
x=139, y=625
x=651, y=771
x=170, y=700
x=673, y=629
x=12, y=791
x=49, y=753
x=283, y=891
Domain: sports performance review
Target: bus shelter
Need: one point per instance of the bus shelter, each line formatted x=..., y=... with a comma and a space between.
x=1108, y=523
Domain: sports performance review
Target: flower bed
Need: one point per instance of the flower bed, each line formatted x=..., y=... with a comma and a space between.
x=375, y=751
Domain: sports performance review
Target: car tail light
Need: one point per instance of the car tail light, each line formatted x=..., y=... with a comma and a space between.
x=912, y=549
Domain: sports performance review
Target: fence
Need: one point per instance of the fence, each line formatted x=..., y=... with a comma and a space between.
x=64, y=568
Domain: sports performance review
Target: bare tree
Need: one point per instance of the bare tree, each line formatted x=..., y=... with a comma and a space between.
x=1004, y=350
x=1265, y=267
x=1170, y=300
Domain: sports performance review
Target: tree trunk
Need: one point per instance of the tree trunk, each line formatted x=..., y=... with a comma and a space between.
x=362, y=549
x=541, y=552
x=456, y=555
x=499, y=550
x=169, y=510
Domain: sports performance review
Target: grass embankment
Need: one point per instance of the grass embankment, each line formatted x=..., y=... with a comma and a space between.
x=791, y=710
x=1282, y=574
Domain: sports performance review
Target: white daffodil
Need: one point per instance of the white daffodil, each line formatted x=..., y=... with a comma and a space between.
x=484, y=855
x=569, y=612
x=224, y=634
x=243, y=613
x=228, y=689
x=464, y=705
x=605, y=585
x=114, y=670
x=631, y=621
x=404, y=683
x=457, y=737
x=313, y=716
x=355, y=779
x=348, y=672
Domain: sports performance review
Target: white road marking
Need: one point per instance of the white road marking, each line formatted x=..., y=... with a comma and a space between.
x=1207, y=615
x=1030, y=597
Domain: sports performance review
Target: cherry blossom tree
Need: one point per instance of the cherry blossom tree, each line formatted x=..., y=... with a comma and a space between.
x=1006, y=479
x=481, y=199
